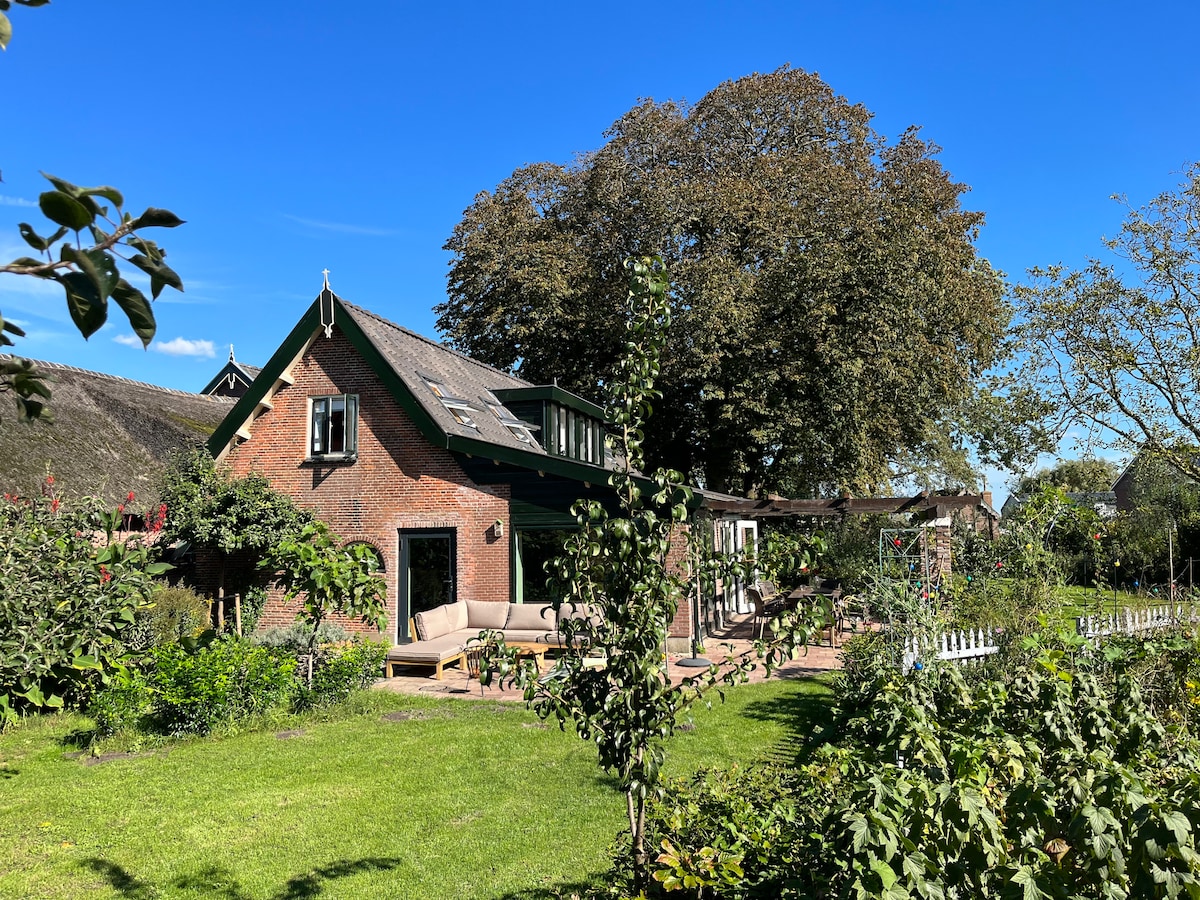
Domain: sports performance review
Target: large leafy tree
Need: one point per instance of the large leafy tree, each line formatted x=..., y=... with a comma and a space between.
x=1116, y=344
x=1073, y=476
x=87, y=231
x=831, y=314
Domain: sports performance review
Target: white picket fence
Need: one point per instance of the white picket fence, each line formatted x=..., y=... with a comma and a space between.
x=1135, y=621
x=974, y=644
x=961, y=646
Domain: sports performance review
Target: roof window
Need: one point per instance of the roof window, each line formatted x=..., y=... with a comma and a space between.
x=456, y=406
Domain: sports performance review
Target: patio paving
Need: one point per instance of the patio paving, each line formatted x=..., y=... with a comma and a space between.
x=737, y=637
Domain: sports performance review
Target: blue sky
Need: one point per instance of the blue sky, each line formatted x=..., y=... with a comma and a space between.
x=300, y=136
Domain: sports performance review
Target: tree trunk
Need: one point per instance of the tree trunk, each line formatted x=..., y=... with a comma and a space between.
x=635, y=805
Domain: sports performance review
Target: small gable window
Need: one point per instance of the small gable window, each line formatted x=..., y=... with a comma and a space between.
x=334, y=426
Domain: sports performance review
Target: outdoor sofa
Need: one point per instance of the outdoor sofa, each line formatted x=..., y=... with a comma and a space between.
x=445, y=633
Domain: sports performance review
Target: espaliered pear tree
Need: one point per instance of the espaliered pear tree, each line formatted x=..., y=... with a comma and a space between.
x=620, y=582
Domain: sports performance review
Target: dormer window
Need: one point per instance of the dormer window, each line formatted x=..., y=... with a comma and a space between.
x=333, y=428
x=456, y=406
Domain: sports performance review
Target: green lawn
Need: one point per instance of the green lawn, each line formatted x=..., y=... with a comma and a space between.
x=407, y=797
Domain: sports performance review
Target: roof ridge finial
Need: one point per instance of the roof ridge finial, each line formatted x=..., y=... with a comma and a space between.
x=325, y=272
x=231, y=359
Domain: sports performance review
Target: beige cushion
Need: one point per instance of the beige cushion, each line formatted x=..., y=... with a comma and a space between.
x=433, y=650
x=529, y=635
x=432, y=623
x=456, y=615
x=578, y=611
x=481, y=614
x=530, y=615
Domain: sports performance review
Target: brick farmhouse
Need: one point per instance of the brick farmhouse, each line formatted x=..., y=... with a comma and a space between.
x=460, y=475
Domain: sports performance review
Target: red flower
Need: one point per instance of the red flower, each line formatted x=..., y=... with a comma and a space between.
x=49, y=479
x=129, y=499
x=121, y=508
x=54, y=505
x=105, y=577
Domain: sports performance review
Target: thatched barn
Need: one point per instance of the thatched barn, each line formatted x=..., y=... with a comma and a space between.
x=108, y=436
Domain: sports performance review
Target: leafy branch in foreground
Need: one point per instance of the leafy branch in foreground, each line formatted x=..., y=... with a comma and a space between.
x=85, y=268
x=620, y=585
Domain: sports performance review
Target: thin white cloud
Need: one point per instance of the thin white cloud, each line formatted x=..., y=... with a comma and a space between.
x=179, y=346
x=344, y=228
x=15, y=201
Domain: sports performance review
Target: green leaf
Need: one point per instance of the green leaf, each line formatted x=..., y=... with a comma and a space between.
x=31, y=237
x=164, y=276
x=65, y=210
x=111, y=194
x=154, y=217
x=1179, y=825
x=885, y=873
x=133, y=302
x=86, y=662
x=88, y=310
x=5, y=31
x=160, y=274
x=97, y=265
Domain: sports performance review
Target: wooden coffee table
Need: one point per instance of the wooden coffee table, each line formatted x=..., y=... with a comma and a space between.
x=536, y=649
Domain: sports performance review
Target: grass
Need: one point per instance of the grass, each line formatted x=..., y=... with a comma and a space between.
x=390, y=797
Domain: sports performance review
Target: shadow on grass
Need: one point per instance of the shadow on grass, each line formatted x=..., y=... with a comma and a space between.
x=216, y=881
x=807, y=718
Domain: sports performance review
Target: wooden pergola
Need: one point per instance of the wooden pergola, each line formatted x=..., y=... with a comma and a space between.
x=925, y=506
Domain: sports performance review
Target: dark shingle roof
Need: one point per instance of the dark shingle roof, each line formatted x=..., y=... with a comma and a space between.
x=415, y=358
x=109, y=436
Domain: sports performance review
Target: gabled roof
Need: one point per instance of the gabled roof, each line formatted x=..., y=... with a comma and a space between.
x=233, y=379
x=405, y=363
x=109, y=435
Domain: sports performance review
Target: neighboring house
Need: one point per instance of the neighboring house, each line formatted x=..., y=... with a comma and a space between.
x=460, y=475
x=233, y=380
x=1125, y=487
x=108, y=436
x=1103, y=502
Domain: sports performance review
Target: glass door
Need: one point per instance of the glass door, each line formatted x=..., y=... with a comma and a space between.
x=427, y=575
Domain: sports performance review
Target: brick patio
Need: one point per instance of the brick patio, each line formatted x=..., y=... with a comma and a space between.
x=735, y=638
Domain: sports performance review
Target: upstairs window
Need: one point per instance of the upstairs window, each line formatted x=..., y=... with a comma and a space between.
x=334, y=426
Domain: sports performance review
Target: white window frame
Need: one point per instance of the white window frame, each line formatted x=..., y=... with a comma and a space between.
x=320, y=426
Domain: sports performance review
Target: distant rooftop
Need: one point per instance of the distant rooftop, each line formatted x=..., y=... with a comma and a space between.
x=109, y=435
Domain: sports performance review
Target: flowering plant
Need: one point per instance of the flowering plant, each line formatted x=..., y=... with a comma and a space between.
x=69, y=584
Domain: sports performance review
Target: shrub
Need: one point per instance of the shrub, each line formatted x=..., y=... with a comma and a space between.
x=341, y=669
x=125, y=704
x=297, y=636
x=867, y=661
x=734, y=832
x=69, y=589
x=174, y=613
x=197, y=691
x=1051, y=779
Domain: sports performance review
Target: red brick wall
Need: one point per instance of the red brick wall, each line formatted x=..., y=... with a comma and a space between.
x=398, y=481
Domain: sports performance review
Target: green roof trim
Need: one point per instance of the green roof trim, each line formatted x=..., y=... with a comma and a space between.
x=243, y=410
x=308, y=325
x=555, y=393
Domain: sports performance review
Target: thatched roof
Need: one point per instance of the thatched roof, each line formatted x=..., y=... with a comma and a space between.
x=109, y=436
